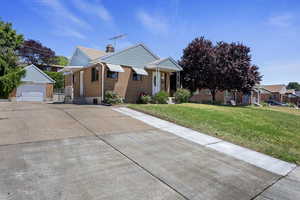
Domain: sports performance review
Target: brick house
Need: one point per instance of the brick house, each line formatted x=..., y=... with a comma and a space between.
x=128, y=72
x=278, y=92
x=257, y=95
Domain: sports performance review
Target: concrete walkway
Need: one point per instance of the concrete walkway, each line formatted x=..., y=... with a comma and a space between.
x=92, y=152
x=255, y=158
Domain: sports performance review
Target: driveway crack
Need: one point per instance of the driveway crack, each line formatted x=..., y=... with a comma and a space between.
x=123, y=154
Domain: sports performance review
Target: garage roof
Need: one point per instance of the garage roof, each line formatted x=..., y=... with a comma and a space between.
x=35, y=75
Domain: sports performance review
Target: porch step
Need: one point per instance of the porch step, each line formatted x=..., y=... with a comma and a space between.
x=79, y=100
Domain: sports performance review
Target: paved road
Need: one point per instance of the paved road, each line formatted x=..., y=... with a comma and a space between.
x=50, y=151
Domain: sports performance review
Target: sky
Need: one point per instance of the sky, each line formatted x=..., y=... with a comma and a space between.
x=271, y=28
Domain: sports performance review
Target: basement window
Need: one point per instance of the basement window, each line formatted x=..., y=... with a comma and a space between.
x=113, y=75
x=95, y=74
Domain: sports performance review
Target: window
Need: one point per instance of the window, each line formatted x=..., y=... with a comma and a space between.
x=136, y=77
x=111, y=74
x=95, y=74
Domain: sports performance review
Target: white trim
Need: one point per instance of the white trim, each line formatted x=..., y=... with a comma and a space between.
x=140, y=71
x=156, y=87
x=40, y=71
x=81, y=83
x=70, y=68
x=155, y=63
x=118, y=52
x=115, y=68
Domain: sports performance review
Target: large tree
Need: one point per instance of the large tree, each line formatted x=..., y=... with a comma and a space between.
x=294, y=85
x=199, y=70
x=58, y=77
x=218, y=67
x=61, y=60
x=240, y=74
x=33, y=52
x=10, y=73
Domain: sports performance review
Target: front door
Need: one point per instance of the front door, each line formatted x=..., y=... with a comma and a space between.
x=155, y=82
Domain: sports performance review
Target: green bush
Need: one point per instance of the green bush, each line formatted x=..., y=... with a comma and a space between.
x=58, y=77
x=145, y=99
x=161, y=97
x=182, y=96
x=291, y=105
x=264, y=104
x=112, y=97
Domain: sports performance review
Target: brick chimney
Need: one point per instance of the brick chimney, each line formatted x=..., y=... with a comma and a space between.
x=110, y=49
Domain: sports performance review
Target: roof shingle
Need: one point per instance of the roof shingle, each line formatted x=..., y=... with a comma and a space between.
x=92, y=53
x=274, y=88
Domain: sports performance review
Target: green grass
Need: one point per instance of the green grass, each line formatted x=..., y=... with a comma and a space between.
x=272, y=131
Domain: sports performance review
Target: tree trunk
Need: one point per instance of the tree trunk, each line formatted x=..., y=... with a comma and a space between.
x=213, y=94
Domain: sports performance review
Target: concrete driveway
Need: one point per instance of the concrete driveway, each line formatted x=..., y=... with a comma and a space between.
x=50, y=151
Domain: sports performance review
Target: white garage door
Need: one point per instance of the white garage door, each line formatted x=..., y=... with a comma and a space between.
x=31, y=92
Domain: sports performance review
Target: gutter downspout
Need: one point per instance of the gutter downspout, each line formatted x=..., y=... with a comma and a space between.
x=102, y=81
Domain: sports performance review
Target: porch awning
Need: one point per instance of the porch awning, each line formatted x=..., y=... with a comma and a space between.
x=114, y=68
x=70, y=69
x=140, y=71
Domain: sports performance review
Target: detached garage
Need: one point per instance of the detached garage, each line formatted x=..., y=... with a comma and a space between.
x=36, y=86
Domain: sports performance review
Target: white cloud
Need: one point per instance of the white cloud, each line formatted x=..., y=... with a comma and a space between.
x=57, y=10
x=65, y=22
x=93, y=8
x=282, y=21
x=154, y=24
x=69, y=32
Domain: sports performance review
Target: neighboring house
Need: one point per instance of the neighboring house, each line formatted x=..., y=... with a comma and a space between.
x=35, y=86
x=257, y=95
x=292, y=97
x=50, y=68
x=278, y=91
x=129, y=73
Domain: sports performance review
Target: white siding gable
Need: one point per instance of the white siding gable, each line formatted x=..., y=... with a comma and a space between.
x=79, y=59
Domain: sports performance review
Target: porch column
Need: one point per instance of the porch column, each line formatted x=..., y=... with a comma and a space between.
x=81, y=83
x=157, y=80
x=72, y=85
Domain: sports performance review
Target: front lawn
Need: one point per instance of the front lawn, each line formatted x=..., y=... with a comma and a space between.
x=272, y=131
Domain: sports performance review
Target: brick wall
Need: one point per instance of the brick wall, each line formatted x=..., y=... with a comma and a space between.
x=68, y=79
x=76, y=86
x=204, y=95
x=49, y=90
x=91, y=88
x=126, y=87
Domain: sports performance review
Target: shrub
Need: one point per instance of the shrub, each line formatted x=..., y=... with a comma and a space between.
x=264, y=104
x=144, y=98
x=58, y=77
x=182, y=95
x=112, y=97
x=291, y=105
x=161, y=97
